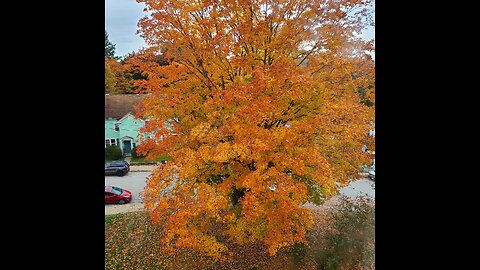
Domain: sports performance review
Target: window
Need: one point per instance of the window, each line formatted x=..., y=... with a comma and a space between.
x=113, y=165
x=117, y=191
x=109, y=142
x=108, y=194
x=117, y=127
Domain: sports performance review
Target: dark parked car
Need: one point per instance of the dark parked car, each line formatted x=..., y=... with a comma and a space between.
x=119, y=168
x=371, y=174
x=121, y=162
x=117, y=195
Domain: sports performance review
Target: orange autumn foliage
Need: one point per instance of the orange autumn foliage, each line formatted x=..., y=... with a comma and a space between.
x=260, y=112
x=115, y=79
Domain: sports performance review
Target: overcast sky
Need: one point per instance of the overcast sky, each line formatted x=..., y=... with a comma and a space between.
x=121, y=18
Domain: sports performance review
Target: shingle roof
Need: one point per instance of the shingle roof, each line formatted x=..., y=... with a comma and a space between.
x=117, y=106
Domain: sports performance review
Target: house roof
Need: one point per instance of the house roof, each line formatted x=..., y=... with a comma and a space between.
x=117, y=106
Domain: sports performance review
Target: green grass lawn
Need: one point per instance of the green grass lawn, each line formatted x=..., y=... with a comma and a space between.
x=132, y=241
x=143, y=160
x=108, y=160
x=140, y=160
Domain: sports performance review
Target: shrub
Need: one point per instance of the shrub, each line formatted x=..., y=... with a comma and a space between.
x=136, y=154
x=113, y=152
x=351, y=242
x=298, y=253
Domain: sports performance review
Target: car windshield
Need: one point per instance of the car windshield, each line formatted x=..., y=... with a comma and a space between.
x=117, y=191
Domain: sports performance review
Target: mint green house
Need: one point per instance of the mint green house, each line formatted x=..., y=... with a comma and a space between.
x=121, y=125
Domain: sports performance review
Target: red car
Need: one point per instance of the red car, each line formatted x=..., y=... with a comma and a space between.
x=117, y=195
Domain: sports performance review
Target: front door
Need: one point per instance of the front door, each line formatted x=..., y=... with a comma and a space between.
x=127, y=147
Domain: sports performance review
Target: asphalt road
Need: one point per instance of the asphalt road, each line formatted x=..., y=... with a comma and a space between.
x=136, y=181
x=358, y=188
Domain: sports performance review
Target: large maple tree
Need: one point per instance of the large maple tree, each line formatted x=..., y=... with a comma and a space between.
x=263, y=111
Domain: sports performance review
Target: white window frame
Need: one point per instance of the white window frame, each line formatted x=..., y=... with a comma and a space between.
x=114, y=140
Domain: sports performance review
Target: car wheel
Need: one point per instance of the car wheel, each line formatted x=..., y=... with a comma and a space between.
x=120, y=173
x=121, y=201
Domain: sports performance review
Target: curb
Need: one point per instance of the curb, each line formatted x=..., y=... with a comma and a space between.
x=126, y=208
x=143, y=164
x=142, y=168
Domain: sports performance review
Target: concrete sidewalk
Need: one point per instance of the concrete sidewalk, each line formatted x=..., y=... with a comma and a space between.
x=142, y=168
x=116, y=208
x=139, y=168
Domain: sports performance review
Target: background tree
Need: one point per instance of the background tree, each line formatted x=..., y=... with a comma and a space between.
x=132, y=69
x=116, y=78
x=110, y=79
x=109, y=48
x=264, y=115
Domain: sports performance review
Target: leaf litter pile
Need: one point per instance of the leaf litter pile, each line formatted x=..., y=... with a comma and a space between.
x=132, y=241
